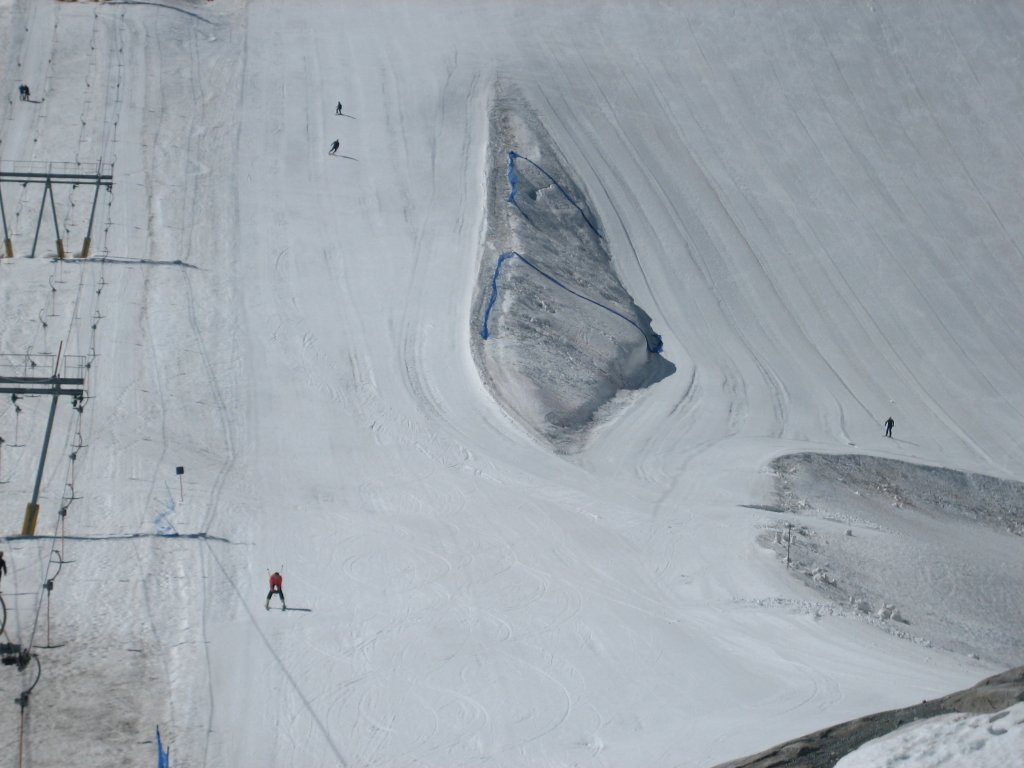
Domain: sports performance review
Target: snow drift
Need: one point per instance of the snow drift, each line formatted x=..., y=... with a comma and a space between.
x=561, y=335
x=927, y=553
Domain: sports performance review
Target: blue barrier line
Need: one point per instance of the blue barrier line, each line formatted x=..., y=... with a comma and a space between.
x=513, y=183
x=485, y=332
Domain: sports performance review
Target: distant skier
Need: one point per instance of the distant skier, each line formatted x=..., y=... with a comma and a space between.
x=275, y=589
x=889, y=424
x=338, y=110
x=334, y=146
x=3, y=566
x=23, y=92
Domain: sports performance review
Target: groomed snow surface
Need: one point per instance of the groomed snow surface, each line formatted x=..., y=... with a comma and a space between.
x=816, y=206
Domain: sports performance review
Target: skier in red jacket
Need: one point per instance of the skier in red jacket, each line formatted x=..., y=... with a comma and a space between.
x=275, y=589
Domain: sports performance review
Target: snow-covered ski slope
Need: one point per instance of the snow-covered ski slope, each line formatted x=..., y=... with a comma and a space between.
x=818, y=205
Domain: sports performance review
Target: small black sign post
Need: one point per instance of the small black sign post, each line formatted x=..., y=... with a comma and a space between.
x=179, y=471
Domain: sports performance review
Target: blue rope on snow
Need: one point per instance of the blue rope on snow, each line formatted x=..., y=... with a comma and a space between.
x=163, y=756
x=485, y=332
x=654, y=348
x=513, y=183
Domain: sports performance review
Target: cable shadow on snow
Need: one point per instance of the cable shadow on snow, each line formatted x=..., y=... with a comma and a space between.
x=131, y=536
x=161, y=5
x=118, y=260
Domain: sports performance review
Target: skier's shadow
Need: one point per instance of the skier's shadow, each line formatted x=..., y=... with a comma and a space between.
x=304, y=610
x=346, y=157
x=906, y=442
x=342, y=114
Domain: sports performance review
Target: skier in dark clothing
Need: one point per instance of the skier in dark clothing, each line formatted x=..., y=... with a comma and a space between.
x=23, y=92
x=334, y=146
x=275, y=589
x=889, y=424
x=3, y=566
x=338, y=110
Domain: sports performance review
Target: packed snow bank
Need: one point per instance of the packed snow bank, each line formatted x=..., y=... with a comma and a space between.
x=979, y=727
x=558, y=335
x=950, y=741
x=929, y=553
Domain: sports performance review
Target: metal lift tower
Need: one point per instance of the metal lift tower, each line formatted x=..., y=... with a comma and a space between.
x=48, y=175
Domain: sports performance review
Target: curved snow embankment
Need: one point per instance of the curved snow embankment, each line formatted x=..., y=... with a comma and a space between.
x=932, y=554
x=935, y=732
x=556, y=336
